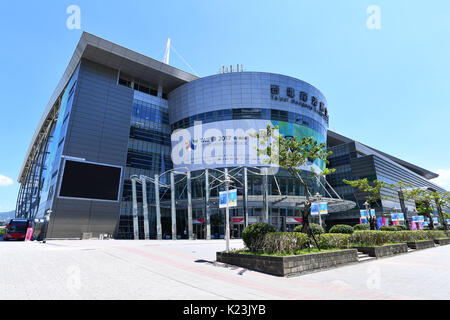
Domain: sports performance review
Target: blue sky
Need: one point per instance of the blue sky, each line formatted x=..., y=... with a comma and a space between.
x=388, y=88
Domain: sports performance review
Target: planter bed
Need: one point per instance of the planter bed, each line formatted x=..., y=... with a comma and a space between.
x=384, y=251
x=289, y=265
x=442, y=242
x=419, y=245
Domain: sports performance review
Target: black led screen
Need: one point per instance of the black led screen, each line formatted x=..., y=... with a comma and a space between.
x=90, y=181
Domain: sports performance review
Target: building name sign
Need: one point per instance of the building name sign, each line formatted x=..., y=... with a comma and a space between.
x=311, y=103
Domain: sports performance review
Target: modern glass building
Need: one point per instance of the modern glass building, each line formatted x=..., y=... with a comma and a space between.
x=119, y=121
x=354, y=160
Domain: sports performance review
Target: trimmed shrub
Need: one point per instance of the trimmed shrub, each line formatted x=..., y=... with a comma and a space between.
x=253, y=235
x=401, y=228
x=389, y=228
x=377, y=238
x=360, y=227
x=284, y=242
x=315, y=228
x=342, y=228
x=333, y=240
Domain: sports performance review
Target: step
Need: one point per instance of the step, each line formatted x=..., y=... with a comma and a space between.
x=365, y=259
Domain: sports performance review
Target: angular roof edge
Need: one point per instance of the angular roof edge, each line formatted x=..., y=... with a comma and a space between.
x=114, y=56
x=412, y=167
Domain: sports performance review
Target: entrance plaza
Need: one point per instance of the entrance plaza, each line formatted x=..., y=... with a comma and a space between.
x=186, y=270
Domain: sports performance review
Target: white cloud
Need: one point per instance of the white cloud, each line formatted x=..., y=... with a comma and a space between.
x=444, y=178
x=5, y=181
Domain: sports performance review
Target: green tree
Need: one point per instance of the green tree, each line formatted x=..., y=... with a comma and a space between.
x=293, y=154
x=423, y=199
x=442, y=200
x=372, y=194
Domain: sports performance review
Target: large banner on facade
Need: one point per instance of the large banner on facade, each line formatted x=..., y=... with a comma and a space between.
x=231, y=143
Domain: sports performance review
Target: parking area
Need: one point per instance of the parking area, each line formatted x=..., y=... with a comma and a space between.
x=114, y=269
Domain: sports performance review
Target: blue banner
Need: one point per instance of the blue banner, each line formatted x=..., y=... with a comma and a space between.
x=315, y=209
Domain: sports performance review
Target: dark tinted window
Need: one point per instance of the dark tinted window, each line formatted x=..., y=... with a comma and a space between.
x=90, y=181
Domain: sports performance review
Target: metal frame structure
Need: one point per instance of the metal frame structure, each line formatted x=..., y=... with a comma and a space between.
x=226, y=178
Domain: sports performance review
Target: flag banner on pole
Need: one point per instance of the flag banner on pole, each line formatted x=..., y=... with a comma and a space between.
x=323, y=208
x=413, y=225
x=232, y=198
x=314, y=209
x=379, y=223
x=372, y=213
x=363, y=214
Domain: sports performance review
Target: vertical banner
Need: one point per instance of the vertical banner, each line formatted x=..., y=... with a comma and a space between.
x=379, y=223
x=223, y=199
x=29, y=234
x=314, y=209
x=363, y=219
x=230, y=199
x=323, y=208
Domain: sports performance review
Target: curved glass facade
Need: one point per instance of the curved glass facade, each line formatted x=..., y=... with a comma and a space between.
x=226, y=108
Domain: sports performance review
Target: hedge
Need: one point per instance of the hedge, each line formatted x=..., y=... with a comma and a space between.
x=333, y=240
x=253, y=235
x=360, y=227
x=284, y=242
x=382, y=237
x=342, y=228
x=315, y=228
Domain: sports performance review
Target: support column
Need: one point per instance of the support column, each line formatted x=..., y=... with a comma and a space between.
x=173, y=206
x=265, y=196
x=207, y=208
x=189, y=199
x=158, y=209
x=135, y=210
x=245, y=198
x=145, y=209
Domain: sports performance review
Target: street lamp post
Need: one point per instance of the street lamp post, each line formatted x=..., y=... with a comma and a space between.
x=227, y=212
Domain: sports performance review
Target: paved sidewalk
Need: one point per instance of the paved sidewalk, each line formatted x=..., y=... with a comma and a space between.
x=187, y=270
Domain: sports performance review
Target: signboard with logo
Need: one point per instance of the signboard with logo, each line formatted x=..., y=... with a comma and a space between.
x=400, y=217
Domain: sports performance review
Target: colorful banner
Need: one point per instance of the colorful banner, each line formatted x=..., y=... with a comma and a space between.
x=400, y=217
x=413, y=225
x=314, y=209
x=372, y=213
x=394, y=217
x=415, y=219
x=232, y=199
x=379, y=223
x=29, y=234
x=323, y=208
x=363, y=214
